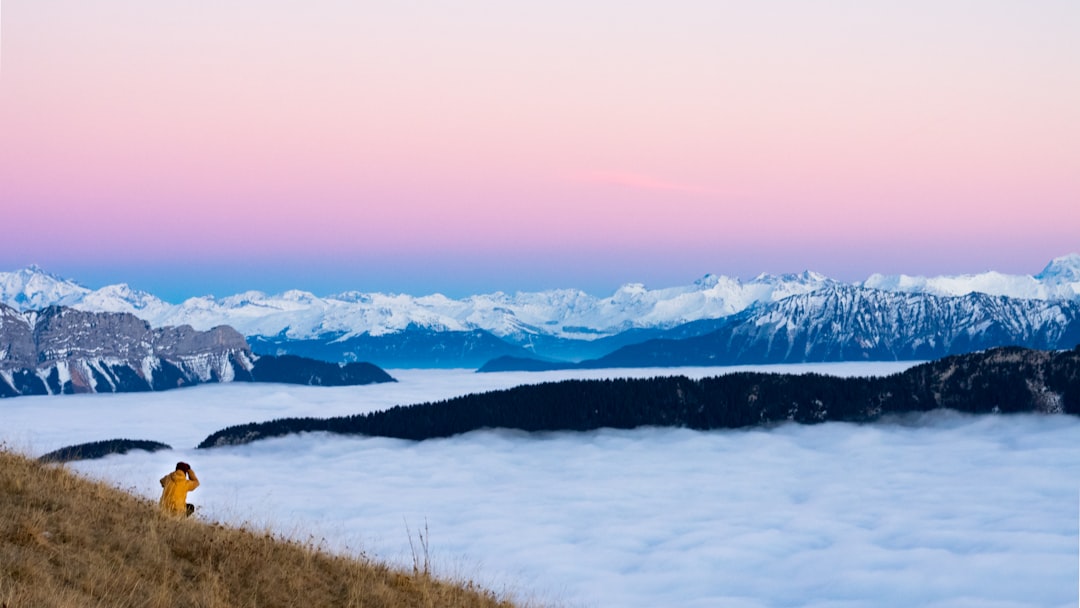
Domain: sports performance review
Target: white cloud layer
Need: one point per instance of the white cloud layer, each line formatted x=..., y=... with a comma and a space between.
x=937, y=510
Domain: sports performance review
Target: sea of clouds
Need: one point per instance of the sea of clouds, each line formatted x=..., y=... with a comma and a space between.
x=933, y=510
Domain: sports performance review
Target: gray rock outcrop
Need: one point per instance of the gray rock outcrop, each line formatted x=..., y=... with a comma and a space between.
x=64, y=350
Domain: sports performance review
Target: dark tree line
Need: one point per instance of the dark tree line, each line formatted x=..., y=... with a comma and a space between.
x=995, y=381
x=100, y=449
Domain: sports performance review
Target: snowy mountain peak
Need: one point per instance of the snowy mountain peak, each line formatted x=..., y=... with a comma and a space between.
x=297, y=295
x=34, y=288
x=1065, y=269
x=630, y=291
x=707, y=282
x=34, y=274
x=806, y=276
x=243, y=298
x=120, y=298
x=357, y=297
x=1060, y=280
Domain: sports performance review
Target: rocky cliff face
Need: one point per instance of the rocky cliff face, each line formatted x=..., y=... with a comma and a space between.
x=63, y=350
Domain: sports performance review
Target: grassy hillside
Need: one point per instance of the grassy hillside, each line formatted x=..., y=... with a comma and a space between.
x=66, y=541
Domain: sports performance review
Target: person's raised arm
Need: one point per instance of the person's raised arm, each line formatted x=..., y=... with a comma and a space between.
x=193, y=478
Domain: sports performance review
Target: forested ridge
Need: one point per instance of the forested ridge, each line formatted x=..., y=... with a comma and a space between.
x=1001, y=380
x=101, y=449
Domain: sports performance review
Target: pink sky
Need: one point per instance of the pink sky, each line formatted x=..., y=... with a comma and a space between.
x=189, y=148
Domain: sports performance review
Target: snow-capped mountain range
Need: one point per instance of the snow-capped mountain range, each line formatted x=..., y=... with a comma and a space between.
x=518, y=318
x=852, y=323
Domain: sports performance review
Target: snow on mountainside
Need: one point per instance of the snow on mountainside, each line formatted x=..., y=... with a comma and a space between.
x=32, y=289
x=1063, y=271
x=881, y=324
x=563, y=313
x=852, y=323
x=1060, y=280
x=64, y=350
x=122, y=298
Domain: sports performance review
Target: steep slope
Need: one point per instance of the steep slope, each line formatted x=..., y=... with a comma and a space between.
x=845, y=323
x=68, y=541
x=64, y=350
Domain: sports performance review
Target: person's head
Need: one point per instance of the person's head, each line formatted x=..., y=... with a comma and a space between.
x=183, y=466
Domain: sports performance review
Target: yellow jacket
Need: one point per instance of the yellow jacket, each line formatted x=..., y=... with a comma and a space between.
x=175, y=486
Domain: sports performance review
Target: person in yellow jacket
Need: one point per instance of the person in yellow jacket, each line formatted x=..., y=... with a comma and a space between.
x=175, y=487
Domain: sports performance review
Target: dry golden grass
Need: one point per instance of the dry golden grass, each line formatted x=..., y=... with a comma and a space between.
x=68, y=542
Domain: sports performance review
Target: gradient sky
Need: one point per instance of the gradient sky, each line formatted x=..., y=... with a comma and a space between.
x=212, y=147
